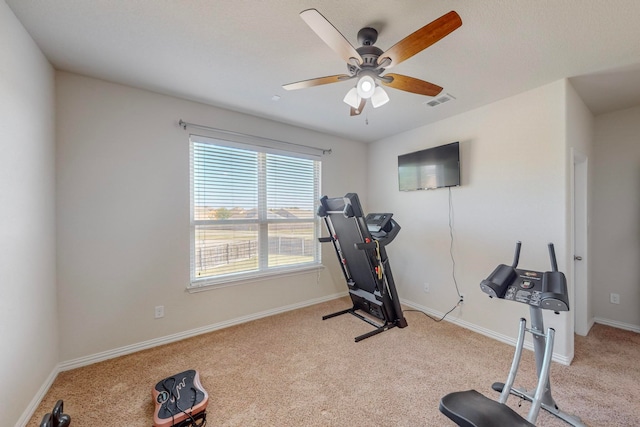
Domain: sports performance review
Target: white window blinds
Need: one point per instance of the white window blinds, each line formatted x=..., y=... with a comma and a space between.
x=253, y=211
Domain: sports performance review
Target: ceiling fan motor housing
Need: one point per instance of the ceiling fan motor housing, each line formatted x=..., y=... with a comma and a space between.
x=367, y=37
x=369, y=55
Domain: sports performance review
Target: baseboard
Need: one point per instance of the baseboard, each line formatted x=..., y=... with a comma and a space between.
x=616, y=324
x=110, y=354
x=33, y=405
x=564, y=360
x=117, y=352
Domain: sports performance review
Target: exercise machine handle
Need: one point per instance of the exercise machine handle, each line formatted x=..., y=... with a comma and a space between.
x=552, y=257
x=516, y=256
x=363, y=246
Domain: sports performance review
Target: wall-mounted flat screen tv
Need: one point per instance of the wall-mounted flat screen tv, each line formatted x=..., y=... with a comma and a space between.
x=431, y=168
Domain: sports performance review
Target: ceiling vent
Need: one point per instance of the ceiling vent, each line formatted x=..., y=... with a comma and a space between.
x=440, y=100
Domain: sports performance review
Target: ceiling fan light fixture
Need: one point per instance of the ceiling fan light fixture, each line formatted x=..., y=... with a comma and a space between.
x=379, y=97
x=366, y=86
x=368, y=62
x=352, y=98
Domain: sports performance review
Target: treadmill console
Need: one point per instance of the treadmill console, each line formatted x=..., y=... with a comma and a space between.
x=377, y=222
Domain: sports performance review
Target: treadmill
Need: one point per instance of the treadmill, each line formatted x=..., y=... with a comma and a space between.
x=360, y=242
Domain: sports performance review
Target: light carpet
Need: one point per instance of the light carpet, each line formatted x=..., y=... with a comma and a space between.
x=294, y=369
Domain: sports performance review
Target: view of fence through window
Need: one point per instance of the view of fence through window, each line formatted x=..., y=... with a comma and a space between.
x=252, y=211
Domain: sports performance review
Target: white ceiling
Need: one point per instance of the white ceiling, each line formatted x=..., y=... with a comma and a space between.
x=237, y=54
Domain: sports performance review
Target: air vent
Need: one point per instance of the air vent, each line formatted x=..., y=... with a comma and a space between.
x=440, y=100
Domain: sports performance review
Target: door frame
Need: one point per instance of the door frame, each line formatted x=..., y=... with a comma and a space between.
x=580, y=243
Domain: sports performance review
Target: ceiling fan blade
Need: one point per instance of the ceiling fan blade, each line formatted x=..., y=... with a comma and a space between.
x=411, y=84
x=330, y=35
x=317, y=82
x=421, y=39
x=356, y=112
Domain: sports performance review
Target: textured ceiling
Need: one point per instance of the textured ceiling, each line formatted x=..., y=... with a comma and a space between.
x=238, y=54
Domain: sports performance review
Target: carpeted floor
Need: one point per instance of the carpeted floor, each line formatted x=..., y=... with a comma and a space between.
x=295, y=369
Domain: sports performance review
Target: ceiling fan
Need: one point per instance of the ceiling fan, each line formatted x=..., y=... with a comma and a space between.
x=368, y=62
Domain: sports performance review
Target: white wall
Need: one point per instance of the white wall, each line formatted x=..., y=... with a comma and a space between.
x=616, y=218
x=28, y=308
x=123, y=217
x=514, y=168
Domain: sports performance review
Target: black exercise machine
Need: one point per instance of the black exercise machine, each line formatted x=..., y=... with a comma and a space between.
x=360, y=246
x=57, y=417
x=181, y=401
x=541, y=291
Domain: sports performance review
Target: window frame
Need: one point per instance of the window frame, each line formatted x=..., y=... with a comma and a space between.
x=262, y=221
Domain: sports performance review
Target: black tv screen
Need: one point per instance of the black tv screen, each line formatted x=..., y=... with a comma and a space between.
x=431, y=168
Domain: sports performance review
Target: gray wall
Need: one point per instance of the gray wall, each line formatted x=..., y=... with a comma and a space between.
x=123, y=219
x=616, y=218
x=514, y=187
x=28, y=306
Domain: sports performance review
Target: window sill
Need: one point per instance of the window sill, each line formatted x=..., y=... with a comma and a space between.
x=212, y=284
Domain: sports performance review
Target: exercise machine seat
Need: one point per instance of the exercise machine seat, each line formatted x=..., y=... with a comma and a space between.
x=472, y=409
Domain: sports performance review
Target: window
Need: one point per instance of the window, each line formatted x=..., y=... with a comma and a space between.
x=253, y=211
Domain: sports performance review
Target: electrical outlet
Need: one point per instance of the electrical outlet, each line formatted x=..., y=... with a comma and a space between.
x=427, y=288
x=159, y=313
x=461, y=298
x=614, y=298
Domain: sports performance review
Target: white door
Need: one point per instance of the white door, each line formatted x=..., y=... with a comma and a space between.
x=581, y=301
